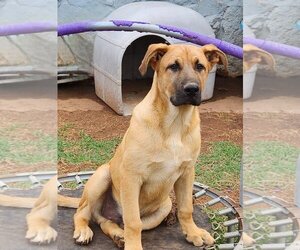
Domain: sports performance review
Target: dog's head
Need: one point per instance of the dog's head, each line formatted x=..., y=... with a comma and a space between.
x=254, y=55
x=182, y=70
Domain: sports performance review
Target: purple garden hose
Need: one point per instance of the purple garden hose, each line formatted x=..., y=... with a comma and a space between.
x=122, y=25
x=26, y=28
x=119, y=25
x=274, y=48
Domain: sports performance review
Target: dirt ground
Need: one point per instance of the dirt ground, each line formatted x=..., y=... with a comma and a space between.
x=274, y=95
x=221, y=117
x=272, y=113
x=281, y=127
x=25, y=110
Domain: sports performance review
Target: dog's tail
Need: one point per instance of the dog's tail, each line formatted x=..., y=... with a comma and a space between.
x=64, y=201
x=26, y=202
x=13, y=201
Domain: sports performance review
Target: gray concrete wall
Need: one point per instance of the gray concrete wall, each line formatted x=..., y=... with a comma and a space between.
x=276, y=21
x=224, y=16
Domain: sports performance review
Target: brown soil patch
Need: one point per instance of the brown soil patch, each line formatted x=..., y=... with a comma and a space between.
x=221, y=127
x=274, y=95
x=80, y=109
x=106, y=124
x=27, y=122
x=29, y=96
x=8, y=168
x=81, y=96
x=281, y=127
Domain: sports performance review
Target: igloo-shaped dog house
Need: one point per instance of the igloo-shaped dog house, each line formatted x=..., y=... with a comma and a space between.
x=118, y=54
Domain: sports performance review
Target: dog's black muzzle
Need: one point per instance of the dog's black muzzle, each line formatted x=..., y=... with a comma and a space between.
x=188, y=94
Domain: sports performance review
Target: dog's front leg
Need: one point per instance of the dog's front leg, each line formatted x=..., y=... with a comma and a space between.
x=184, y=191
x=130, y=191
x=42, y=214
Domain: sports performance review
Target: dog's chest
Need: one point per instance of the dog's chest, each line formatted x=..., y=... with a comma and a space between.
x=170, y=161
x=167, y=165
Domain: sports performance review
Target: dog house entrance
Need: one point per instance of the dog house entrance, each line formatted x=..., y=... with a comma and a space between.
x=135, y=86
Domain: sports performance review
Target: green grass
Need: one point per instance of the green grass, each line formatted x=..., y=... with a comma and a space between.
x=271, y=162
x=37, y=148
x=63, y=130
x=86, y=150
x=220, y=167
x=72, y=184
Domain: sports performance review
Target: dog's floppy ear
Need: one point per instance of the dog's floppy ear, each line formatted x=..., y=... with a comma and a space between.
x=254, y=55
x=152, y=56
x=214, y=56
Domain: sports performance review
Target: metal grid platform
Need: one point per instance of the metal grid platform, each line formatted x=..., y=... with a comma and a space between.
x=231, y=223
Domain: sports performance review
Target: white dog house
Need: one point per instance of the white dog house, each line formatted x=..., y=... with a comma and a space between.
x=117, y=55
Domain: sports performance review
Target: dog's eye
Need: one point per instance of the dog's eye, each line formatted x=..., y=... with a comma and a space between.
x=199, y=67
x=174, y=67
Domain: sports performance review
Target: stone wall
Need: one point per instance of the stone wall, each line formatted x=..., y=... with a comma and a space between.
x=276, y=21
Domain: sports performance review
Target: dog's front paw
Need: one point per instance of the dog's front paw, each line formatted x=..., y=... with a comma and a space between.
x=199, y=237
x=41, y=234
x=83, y=235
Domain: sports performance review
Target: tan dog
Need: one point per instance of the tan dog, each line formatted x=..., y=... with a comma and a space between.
x=157, y=153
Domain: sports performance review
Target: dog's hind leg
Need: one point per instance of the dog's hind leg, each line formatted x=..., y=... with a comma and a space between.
x=110, y=224
x=90, y=204
x=153, y=220
x=113, y=230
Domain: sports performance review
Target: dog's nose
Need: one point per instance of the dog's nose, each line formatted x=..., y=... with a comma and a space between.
x=191, y=88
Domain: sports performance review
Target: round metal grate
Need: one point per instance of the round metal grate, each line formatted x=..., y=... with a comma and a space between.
x=270, y=222
x=222, y=213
